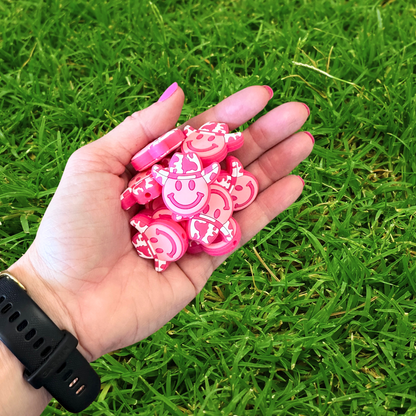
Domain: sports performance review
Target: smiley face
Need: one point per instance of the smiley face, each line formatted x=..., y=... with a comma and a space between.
x=186, y=197
x=244, y=192
x=208, y=146
x=204, y=142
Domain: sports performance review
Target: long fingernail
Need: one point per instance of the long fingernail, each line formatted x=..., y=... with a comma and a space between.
x=310, y=135
x=169, y=91
x=309, y=111
x=303, y=182
x=269, y=90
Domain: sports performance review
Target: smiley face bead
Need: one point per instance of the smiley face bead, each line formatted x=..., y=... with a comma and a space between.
x=211, y=142
x=185, y=184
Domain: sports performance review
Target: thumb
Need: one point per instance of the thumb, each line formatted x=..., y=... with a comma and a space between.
x=137, y=130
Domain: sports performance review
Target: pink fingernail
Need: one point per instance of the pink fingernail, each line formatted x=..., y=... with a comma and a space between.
x=310, y=135
x=269, y=90
x=309, y=111
x=170, y=90
x=303, y=182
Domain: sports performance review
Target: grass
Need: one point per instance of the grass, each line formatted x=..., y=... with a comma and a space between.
x=328, y=327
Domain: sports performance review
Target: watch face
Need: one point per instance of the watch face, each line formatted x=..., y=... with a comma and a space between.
x=9, y=276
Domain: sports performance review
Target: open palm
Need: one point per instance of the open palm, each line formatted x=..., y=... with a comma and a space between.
x=92, y=281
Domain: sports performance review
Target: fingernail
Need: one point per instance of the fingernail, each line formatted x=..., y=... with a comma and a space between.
x=170, y=90
x=303, y=182
x=309, y=111
x=269, y=90
x=310, y=135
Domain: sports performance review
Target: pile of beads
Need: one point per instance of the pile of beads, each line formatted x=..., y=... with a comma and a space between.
x=189, y=200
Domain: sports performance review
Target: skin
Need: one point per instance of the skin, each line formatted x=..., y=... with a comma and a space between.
x=82, y=269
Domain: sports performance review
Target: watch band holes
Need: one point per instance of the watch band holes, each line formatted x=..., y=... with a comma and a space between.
x=30, y=334
x=61, y=368
x=73, y=382
x=2, y=298
x=14, y=316
x=81, y=389
x=38, y=343
x=6, y=308
x=67, y=375
x=22, y=326
x=46, y=352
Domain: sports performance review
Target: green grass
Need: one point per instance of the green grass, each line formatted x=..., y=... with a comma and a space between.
x=335, y=335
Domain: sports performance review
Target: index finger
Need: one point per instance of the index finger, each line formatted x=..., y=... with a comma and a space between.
x=236, y=109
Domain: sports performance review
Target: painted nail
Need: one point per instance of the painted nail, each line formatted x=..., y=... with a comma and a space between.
x=309, y=111
x=303, y=182
x=269, y=90
x=170, y=90
x=310, y=135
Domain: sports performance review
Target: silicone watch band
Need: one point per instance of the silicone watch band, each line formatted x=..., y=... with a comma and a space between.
x=48, y=354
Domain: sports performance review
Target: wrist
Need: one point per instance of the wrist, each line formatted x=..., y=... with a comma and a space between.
x=45, y=297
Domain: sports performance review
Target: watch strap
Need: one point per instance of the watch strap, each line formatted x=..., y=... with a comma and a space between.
x=48, y=354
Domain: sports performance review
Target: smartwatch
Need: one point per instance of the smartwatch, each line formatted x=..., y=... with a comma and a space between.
x=48, y=354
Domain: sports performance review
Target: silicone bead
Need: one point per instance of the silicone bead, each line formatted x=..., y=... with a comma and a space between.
x=163, y=213
x=241, y=184
x=156, y=203
x=185, y=185
x=211, y=142
x=205, y=226
x=226, y=241
x=194, y=247
x=142, y=188
x=157, y=150
x=163, y=240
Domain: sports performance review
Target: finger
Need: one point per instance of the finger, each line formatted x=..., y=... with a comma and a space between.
x=117, y=147
x=268, y=204
x=281, y=159
x=236, y=109
x=271, y=129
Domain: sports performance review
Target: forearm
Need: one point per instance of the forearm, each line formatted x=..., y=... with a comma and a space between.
x=17, y=396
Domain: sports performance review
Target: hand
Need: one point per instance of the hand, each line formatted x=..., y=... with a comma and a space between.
x=82, y=268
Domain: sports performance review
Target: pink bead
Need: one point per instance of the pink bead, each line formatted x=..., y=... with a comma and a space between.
x=163, y=240
x=211, y=142
x=227, y=241
x=205, y=226
x=156, y=203
x=157, y=150
x=142, y=188
x=241, y=184
x=185, y=185
x=194, y=247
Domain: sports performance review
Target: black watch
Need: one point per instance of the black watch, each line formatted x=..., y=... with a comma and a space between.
x=49, y=355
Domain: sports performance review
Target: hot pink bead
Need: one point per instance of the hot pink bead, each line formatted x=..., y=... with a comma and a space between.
x=157, y=150
x=141, y=189
x=211, y=142
x=185, y=185
x=163, y=240
x=205, y=226
x=241, y=184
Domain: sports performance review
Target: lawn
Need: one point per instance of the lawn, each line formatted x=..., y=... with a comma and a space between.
x=316, y=315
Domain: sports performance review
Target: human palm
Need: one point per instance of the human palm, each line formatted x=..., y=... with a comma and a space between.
x=97, y=286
